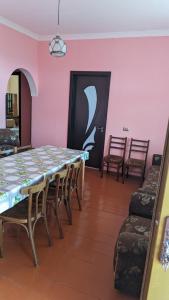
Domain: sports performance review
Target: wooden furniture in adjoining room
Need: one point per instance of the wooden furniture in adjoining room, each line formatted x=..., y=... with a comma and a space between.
x=10, y=123
x=116, y=155
x=137, y=158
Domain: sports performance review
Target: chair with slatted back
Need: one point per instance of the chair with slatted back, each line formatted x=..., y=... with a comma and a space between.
x=74, y=182
x=58, y=195
x=116, y=155
x=27, y=212
x=137, y=159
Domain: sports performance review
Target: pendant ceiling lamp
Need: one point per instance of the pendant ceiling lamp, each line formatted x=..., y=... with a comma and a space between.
x=57, y=46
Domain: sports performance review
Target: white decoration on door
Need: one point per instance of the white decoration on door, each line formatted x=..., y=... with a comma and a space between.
x=89, y=143
x=91, y=95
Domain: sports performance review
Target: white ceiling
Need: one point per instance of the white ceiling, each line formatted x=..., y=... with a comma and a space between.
x=87, y=18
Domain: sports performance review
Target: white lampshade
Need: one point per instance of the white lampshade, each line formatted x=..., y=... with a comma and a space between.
x=57, y=46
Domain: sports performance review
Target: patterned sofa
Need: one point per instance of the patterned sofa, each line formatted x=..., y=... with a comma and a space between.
x=9, y=141
x=132, y=243
x=130, y=254
x=142, y=201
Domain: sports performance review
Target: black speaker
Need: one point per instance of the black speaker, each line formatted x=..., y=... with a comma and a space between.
x=157, y=158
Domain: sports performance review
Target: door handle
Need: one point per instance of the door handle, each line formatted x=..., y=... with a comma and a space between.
x=100, y=128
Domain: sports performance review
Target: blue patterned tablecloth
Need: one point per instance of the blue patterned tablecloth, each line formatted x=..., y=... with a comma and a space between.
x=28, y=167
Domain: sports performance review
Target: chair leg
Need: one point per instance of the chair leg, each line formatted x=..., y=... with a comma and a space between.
x=78, y=199
x=57, y=215
x=31, y=237
x=47, y=231
x=1, y=238
x=127, y=168
x=107, y=167
x=68, y=209
x=142, y=177
x=118, y=171
x=123, y=173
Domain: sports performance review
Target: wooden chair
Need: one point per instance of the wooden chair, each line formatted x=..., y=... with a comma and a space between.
x=27, y=212
x=137, y=158
x=116, y=155
x=73, y=187
x=58, y=194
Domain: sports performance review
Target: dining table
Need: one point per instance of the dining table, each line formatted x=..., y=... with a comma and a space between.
x=27, y=168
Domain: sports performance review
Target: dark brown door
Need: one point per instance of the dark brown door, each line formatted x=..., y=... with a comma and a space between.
x=25, y=111
x=89, y=92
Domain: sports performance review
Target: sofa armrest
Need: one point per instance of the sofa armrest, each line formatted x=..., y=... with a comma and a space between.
x=148, y=190
x=129, y=262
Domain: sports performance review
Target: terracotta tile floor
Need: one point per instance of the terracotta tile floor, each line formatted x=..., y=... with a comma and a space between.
x=79, y=267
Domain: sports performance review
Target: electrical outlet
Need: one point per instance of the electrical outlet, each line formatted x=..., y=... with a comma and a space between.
x=125, y=129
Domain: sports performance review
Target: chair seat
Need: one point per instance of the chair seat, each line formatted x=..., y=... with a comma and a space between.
x=19, y=211
x=134, y=162
x=115, y=159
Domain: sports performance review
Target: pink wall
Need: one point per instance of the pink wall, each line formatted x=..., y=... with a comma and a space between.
x=139, y=91
x=16, y=51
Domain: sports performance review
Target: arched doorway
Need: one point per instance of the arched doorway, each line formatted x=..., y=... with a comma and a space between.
x=19, y=106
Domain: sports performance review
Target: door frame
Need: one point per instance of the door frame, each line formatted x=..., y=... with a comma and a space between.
x=72, y=90
x=18, y=73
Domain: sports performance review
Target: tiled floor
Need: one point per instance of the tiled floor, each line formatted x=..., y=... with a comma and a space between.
x=79, y=267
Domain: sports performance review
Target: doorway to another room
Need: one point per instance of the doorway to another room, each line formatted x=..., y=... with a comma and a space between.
x=19, y=107
x=89, y=93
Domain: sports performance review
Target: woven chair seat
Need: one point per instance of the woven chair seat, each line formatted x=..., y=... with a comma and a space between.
x=135, y=162
x=115, y=159
x=116, y=155
x=19, y=211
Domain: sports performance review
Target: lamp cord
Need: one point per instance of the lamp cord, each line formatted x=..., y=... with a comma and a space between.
x=58, y=12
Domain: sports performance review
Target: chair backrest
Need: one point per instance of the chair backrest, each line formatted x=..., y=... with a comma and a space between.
x=75, y=173
x=118, y=145
x=37, y=194
x=139, y=147
x=61, y=179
